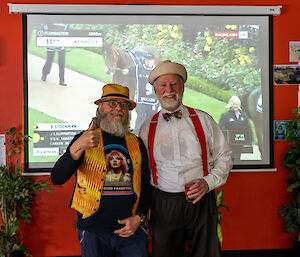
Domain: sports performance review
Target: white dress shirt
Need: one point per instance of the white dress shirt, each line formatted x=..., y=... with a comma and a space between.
x=177, y=151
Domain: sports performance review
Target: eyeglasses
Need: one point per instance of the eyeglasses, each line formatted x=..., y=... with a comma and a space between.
x=113, y=104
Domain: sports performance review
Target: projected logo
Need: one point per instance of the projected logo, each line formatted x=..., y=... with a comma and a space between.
x=239, y=138
x=231, y=34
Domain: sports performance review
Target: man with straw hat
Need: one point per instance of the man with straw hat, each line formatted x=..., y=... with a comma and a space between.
x=110, y=208
x=188, y=153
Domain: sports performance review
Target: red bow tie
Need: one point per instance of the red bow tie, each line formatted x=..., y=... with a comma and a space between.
x=168, y=115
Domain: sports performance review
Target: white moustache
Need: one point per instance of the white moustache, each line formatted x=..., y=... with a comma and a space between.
x=170, y=94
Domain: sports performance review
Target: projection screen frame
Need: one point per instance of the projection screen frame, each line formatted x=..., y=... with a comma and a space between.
x=144, y=9
x=147, y=9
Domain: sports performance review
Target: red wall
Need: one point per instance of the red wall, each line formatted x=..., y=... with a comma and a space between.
x=254, y=198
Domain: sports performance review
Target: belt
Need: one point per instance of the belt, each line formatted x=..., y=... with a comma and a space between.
x=168, y=194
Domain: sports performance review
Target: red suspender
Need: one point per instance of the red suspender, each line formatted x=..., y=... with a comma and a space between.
x=201, y=138
x=200, y=135
x=151, y=135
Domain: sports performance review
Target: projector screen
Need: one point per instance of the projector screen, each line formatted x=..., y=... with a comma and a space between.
x=68, y=58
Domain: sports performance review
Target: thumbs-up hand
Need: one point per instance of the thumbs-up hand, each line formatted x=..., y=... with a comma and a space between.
x=89, y=139
x=92, y=125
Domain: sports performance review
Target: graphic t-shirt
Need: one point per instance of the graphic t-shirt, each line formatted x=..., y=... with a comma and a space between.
x=118, y=197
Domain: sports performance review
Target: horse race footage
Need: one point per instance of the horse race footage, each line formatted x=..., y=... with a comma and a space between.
x=72, y=58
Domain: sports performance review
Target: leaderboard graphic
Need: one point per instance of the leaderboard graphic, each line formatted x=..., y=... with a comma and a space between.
x=53, y=139
x=67, y=38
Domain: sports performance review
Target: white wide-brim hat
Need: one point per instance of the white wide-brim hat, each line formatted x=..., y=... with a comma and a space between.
x=167, y=67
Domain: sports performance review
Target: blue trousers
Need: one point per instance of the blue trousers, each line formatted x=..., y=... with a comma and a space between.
x=108, y=244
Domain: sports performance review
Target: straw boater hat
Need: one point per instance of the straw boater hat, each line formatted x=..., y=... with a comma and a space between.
x=167, y=67
x=115, y=91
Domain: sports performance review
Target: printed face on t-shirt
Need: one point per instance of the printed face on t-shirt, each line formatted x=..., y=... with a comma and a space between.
x=118, y=180
x=114, y=160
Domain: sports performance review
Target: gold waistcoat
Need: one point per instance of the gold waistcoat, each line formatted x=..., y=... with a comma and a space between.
x=91, y=175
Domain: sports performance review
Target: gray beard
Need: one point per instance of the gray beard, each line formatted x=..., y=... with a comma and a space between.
x=171, y=105
x=117, y=128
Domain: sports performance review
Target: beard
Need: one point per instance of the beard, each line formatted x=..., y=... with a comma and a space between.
x=170, y=103
x=118, y=127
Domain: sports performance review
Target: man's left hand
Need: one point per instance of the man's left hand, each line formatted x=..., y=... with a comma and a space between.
x=131, y=224
x=198, y=190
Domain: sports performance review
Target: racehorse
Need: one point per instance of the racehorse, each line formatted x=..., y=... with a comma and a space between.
x=120, y=63
x=252, y=105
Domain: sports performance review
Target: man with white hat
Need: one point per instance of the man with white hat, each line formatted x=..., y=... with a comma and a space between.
x=184, y=145
x=109, y=211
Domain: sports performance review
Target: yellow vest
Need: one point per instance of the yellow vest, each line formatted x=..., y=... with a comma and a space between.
x=91, y=175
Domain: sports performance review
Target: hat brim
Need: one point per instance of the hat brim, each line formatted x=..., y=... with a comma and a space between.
x=131, y=106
